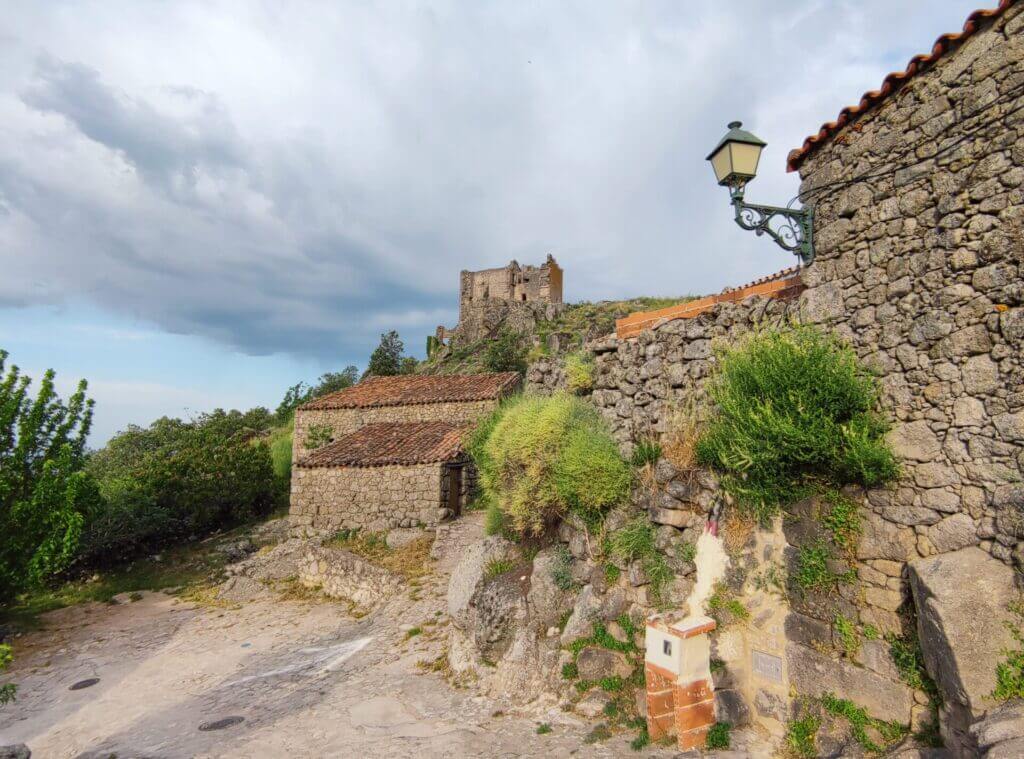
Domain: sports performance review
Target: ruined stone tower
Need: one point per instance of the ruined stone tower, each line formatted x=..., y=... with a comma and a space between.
x=514, y=283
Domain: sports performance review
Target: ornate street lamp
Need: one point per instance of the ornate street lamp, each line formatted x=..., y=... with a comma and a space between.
x=735, y=161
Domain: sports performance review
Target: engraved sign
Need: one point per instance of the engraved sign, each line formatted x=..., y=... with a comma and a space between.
x=767, y=666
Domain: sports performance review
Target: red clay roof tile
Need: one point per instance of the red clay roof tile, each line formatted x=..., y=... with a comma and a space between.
x=891, y=83
x=410, y=389
x=391, y=443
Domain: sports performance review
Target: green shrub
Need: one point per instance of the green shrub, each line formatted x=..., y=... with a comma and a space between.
x=540, y=459
x=46, y=498
x=579, y=372
x=646, y=452
x=794, y=412
x=505, y=353
x=718, y=736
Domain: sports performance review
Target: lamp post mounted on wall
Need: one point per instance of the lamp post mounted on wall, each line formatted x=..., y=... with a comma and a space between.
x=734, y=161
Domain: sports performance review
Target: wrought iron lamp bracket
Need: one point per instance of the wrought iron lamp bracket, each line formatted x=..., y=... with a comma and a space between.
x=791, y=228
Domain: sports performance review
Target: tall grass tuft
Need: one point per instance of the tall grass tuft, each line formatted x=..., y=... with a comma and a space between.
x=540, y=459
x=795, y=413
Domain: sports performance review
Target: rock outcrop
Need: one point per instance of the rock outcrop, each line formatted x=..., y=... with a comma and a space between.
x=961, y=602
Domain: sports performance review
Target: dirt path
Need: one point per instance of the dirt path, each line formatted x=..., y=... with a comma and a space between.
x=305, y=678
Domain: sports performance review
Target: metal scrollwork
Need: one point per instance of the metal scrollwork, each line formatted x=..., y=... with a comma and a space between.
x=790, y=228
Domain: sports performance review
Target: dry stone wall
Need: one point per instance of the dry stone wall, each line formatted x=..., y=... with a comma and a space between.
x=327, y=499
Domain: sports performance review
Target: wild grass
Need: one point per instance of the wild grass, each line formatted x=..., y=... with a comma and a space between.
x=795, y=413
x=718, y=736
x=410, y=561
x=679, y=443
x=635, y=542
x=579, y=372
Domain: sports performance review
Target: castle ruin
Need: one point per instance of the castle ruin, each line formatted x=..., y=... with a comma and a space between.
x=515, y=283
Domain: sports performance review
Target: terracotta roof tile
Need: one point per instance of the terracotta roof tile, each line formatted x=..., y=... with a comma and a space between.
x=943, y=45
x=411, y=389
x=787, y=273
x=391, y=443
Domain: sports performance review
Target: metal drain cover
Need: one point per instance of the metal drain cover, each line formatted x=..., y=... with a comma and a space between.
x=81, y=684
x=220, y=724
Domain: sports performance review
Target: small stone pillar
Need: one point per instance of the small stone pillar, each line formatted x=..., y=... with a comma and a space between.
x=677, y=666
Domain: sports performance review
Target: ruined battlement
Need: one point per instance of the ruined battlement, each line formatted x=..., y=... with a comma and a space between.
x=513, y=283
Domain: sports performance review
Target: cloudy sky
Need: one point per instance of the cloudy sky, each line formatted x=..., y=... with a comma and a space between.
x=204, y=202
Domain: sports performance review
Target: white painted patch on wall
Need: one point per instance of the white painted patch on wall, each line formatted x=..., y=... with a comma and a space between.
x=711, y=561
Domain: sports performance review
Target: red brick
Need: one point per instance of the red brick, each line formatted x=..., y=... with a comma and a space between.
x=697, y=715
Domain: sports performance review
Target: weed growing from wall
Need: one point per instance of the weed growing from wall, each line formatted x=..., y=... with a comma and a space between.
x=635, y=542
x=646, y=453
x=812, y=572
x=718, y=736
x=579, y=372
x=795, y=414
x=1010, y=672
x=801, y=734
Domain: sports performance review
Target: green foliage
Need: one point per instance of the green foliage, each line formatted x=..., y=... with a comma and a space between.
x=433, y=345
x=842, y=520
x=612, y=574
x=570, y=671
x=413, y=632
x=716, y=665
x=497, y=567
x=795, y=412
x=801, y=734
x=543, y=728
x=635, y=542
x=1010, y=672
x=848, y=636
x=176, y=480
x=300, y=393
x=646, y=452
x=642, y=740
x=909, y=660
x=688, y=552
x=8, y=690
x=45, y=496
x=318, y=436
x=718, y=736
x=859, y=721
x=280, y=443
x=812, y=573
x=579, y=372
x=540, y=459
x=505, y=353
x=611, y=684
x=871, y=632
x=386, y=359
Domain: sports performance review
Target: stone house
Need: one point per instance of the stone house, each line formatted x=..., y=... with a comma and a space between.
x=387, y=452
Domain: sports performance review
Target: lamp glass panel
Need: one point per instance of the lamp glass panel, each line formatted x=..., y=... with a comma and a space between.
x=745, y=158
x=721, y=162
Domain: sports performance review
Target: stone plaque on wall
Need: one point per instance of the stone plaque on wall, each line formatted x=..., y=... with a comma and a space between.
x=767, y=666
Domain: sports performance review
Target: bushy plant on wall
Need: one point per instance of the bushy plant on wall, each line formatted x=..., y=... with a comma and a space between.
x=544, y=458
x=795, y=414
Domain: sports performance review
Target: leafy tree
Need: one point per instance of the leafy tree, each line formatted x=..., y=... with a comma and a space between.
x=386, y=359
x=329, y=382
x=40, y=453
x=409, y=365
x=44, y=494
x=505, y=353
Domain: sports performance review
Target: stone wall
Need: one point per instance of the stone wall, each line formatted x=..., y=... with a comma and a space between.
x=920, y=270
x=327, y=499
x=342, y=574
x=347, y=420
x=641, y=383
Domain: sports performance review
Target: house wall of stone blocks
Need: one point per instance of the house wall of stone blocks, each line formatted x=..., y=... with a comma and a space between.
x=327, y=499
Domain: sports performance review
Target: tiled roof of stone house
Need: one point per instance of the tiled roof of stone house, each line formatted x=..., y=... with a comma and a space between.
x=391, y=443
x=411, y=389
x=943, y=45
